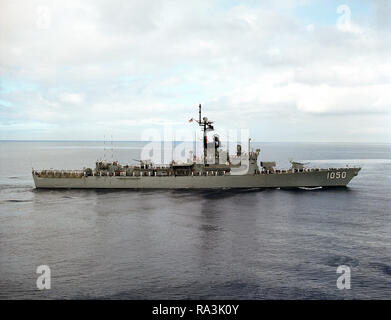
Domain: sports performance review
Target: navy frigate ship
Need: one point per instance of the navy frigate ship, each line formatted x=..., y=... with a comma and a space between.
x=215, y=170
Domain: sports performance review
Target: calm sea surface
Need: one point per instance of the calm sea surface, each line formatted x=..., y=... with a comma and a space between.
x=252, y=244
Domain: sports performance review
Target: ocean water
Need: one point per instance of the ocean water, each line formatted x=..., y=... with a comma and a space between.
x=249, y=244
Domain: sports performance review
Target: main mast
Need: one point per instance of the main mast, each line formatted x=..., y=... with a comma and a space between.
x=206, y=126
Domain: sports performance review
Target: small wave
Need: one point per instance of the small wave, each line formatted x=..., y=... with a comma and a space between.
x=16, y=200
x=385, y=268
x=310, y=188
x=21, y=187
x=336, y=260
x=208, y=227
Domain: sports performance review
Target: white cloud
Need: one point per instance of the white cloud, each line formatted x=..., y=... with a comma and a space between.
x=72, y=98
x=310, y=27
x=152, y=62
x=326, y=99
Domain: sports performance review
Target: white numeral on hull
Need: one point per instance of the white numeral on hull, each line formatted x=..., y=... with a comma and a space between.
x=336, y=175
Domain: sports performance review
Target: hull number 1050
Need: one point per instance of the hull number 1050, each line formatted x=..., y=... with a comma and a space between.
x=336, y=175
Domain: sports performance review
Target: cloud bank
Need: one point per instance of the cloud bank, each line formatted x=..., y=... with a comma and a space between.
x=301, y=70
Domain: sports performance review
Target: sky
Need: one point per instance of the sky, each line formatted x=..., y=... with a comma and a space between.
x=293, y=70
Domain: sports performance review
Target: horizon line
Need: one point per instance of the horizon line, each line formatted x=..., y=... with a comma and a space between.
x=286, y=141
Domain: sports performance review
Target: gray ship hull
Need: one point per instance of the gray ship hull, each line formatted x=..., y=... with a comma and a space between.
x=321, y=178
